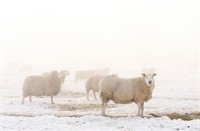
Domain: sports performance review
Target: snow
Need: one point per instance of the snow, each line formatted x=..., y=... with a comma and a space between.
x=91, y=122
x=174, y=93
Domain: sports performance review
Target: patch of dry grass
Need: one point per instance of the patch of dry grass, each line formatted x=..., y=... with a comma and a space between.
x=71, y=94
x=183, y=116
x=82, y=107
x=186, y=116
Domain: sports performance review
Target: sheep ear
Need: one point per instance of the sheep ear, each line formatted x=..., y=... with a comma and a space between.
x=143, y=74
x=154, y=74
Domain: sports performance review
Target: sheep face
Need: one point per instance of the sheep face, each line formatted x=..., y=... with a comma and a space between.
x=64, y=74
x=56, y=75
x=59, y=76
x=149, y=79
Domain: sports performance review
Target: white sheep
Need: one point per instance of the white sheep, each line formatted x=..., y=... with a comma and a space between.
x=48, y=84
x=102, y=71
x=84, y=74
x=124, y=91
x=93, y=84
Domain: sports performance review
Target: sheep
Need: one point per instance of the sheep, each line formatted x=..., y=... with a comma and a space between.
x=127, y=90
x=102, y=71
x=93, y=84
x=84, y=74
x=48, y=84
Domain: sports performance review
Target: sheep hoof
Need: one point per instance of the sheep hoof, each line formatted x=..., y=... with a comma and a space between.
x=104, y=115
x=140, y=116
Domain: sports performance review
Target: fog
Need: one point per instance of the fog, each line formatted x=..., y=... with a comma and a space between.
x=122, y=35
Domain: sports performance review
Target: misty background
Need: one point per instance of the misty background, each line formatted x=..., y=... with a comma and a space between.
x=123, y=35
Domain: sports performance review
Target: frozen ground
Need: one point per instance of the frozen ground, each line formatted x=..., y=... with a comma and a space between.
x=175, y=92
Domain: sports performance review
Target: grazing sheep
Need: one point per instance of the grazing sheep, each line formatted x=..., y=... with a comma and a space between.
x=48, y=84
x=102, y=71
x=124, y=91
x=93, y=84
x=84, y=74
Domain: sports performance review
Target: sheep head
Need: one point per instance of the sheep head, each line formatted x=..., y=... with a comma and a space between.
x=149, y=79
x=148, y=76
x=63, y=74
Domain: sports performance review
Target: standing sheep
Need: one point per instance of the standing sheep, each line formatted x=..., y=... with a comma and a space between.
x=124, y=91
x=102, y=71
x=48, y=84
x=93, y=84
x=84, y=74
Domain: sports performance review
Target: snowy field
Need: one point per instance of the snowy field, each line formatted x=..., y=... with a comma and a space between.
x=175, y=92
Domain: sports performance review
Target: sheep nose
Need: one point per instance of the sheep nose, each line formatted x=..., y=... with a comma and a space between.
x=150, y=82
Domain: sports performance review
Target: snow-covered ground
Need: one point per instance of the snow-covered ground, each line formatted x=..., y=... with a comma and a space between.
x=175, y=92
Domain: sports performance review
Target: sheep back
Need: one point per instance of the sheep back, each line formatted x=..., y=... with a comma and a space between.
x=34, y=85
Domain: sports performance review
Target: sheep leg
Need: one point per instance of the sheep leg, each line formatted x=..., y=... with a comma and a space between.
x=103, y=109
x=88, y=95
x=94, y=95
x=30, y=99
x=52, y=99
x=23, y=100
x=138, y=112
x=140, y=109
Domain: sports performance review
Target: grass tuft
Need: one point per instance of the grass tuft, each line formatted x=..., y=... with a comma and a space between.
x=186, y=116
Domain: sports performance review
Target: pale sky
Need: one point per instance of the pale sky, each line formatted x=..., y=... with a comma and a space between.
x=91, y=33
